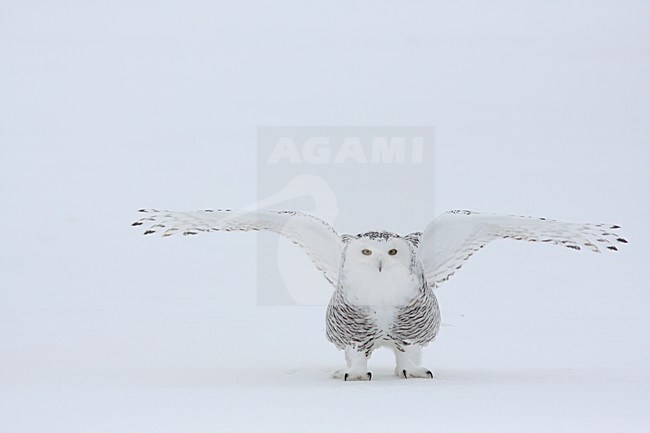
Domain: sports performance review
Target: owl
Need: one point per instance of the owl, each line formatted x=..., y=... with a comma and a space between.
x=383, y=282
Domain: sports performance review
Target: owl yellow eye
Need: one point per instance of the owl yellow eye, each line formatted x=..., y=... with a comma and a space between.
x=366, y=252
x=392, y=252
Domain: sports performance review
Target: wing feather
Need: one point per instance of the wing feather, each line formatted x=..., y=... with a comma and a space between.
x=455, y=236
x=319, y=240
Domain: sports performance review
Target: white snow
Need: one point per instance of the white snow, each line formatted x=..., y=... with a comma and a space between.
x=540, y=109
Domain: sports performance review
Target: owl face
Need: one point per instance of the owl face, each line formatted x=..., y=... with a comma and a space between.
x=377, y=270
x=379, y=254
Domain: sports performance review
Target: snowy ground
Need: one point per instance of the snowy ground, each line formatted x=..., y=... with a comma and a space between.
x=107, y=107
x=537, y=348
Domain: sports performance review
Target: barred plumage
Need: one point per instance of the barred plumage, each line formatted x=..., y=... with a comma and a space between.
x=417, y=322
x=351, y=326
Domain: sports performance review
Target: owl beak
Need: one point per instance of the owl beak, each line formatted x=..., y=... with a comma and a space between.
x=381, y=265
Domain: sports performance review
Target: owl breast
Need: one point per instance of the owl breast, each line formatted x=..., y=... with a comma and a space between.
x=391, y=288
x=380, y=294
x=367, y=311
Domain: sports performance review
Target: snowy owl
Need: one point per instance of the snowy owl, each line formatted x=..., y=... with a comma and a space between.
x=383, y=282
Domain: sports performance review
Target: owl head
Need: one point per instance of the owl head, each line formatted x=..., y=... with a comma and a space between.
x=380, y=268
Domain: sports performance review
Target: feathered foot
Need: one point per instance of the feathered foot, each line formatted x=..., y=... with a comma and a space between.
x=408, y=363
x=414, y=372
x=350, y=375
x=357, y=366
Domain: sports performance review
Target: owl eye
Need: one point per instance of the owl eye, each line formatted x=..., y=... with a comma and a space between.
x=366, y=252
x=392, y=252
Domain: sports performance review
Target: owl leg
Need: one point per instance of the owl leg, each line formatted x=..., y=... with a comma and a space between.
x=408, y=363
x=357, y=366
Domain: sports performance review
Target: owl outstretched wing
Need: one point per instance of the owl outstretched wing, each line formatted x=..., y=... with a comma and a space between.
x=319, y=240
x=452, y=238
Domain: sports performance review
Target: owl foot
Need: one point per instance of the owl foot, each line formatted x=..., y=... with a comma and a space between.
x=348, y=375
x=414, y=372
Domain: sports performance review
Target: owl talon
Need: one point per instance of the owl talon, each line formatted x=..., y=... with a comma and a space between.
x=415, y=372
x=353, y=376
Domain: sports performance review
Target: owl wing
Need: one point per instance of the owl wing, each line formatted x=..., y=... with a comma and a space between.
x=319, y=240
x=452, y=238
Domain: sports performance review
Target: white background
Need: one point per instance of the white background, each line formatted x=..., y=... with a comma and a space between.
x=540, y=108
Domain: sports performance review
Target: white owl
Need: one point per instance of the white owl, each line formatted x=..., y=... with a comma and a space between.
x=384, y=282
